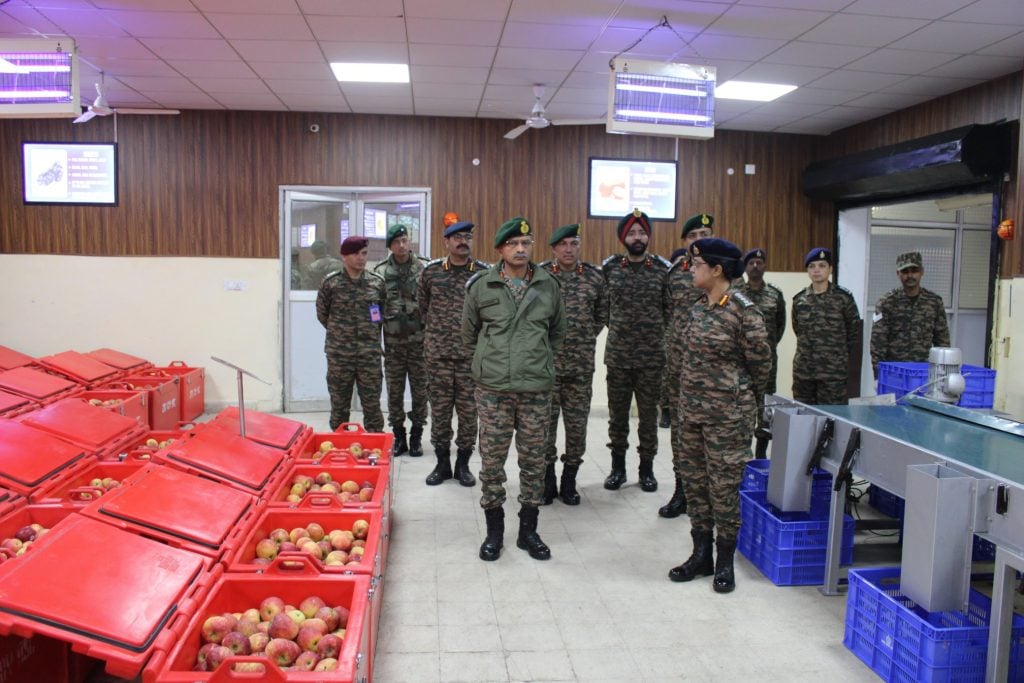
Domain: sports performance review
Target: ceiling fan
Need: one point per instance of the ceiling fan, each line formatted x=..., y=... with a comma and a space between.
x=538, y=118
x=99, y=107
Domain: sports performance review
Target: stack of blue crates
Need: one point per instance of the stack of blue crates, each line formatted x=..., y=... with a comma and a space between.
x=900, y=641
x=902, y=378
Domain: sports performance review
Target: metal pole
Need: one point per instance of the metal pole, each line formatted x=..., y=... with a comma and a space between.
x=241, y=406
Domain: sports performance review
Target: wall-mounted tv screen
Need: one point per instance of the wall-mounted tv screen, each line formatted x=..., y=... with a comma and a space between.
x=70, y=173
x=617, y=186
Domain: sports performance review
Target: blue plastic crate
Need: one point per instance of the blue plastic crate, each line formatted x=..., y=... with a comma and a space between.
x=901, y=378
x=885, y=502
x=982, y=550
x=755, y=478
x=902, y=642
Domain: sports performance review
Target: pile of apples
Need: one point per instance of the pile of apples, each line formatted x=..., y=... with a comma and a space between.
x=16, y=545
x=99, y=486
x=349, y=490
x=145, y=451
x=355, y=448
x=303, y=638
x=335, y=547
x=100, y=403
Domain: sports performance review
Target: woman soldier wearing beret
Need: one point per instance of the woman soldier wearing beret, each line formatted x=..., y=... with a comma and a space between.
x=723, y=370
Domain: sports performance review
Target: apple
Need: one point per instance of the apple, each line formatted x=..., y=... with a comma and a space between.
x=315, y=531
x=246, y=627
x=237, y=642
x=328, y=646
x=310, y=605
x=202, y=658
x=342, y=613
x=360, y=528
x=215, y=628
x=26, y=534
x=249, y=667
x=292, y=498
x=345, y=496
x=330, y=487
x=258, y=642
x=326, y=664
x=296, y=615
x=343, y=540
x=297, y=490
x=305, y=661
x=279, y=536
x=366, y=494
x=270, y=607
x=326, y=446
x=325, y=547
x=317, y=623
x=328, y=616
x=12, y=544
x=298, y=532
x=263, y=627
x=152, y=443
x=266, y=548
x=335, y=558
x=217, y=655
x=350, y=486
x=304, y=479
x=282, y=651
x=289, y=547
x=96, y=483
x=356, y=449
x=308, y=638
x=252, y=614
x=283, y=626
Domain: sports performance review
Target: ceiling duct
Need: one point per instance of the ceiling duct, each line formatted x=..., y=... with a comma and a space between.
x=961, y=157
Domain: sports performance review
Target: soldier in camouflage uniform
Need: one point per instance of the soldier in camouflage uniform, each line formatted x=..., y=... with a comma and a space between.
x=772, y=303
x=909, y=320
x=682, y=295
x=514, y=322
x=724, y=370
x=321, y=267
x=585, y=297
x=828, y=327
x=449, y=385
x=638, y=310
x=403, y=340
x=348, y=305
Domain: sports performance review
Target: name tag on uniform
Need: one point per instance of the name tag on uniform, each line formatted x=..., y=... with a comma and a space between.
x=375, y=313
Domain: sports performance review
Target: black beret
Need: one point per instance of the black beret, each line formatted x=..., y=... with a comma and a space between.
x=461, y=226
x=513, y=227
x=701, y=220
x=818, y=254
x=719, y=252
x=571, y=230
x=754, y=253
x=627, y=221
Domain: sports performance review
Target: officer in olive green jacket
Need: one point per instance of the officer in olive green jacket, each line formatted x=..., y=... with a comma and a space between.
x=513, y=320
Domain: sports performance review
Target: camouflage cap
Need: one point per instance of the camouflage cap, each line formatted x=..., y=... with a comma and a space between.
x=513, y=227
x=818, y=254
x=571, y=230
x=701, y=220
x=755, y=253
x=461, y=226
x=627, y=221
x=911, y=259
x=395, y=231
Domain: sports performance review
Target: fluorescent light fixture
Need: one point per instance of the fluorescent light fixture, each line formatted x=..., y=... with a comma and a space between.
x=660, y=90
x=654, y=98
x=34, y=94
x=653, y=115
x=370, y=73
x=754, y=92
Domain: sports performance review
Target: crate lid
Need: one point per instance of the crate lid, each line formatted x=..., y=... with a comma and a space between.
x=9, y=401
x=107, y=590
x=29, y=457
x=223, y=455
x=78, y=366
x=75, y=420
x=9, y=358
x=271, y=430
x=177, y=504
x=118, y=359
x=34, y=383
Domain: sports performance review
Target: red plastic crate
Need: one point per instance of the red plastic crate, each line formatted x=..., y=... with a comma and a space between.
x=191, y=386
x=377, y=476
x=80, y=368
x=164, y=402
x=78, y=489
x=30, y=458
x=94, y=429
x=22, y=514
x=143, y=448
x=341, y=441
x=33, y=382
x=124, y=362
x=9, y=358
x=292, y=583
x=290, y=436
x=127, y=402
x=178, y=509
x=12, y=405
x=227, y=458
x=120, y=608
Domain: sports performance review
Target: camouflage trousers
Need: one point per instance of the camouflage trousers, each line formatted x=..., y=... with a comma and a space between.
x=822, y=392
x=450, y=389
x=402, y=361
x=366, y=375
x=711, y=463
x=623, y=385
x=502, y=414
x=570, y=397
x=773, y=375
x=665, y=399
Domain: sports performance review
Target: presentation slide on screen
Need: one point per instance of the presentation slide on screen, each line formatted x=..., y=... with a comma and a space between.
x=617, y=186
x=70, y=173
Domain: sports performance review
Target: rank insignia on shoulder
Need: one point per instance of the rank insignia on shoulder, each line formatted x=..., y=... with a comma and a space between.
x=743, y=299
x=724, y=300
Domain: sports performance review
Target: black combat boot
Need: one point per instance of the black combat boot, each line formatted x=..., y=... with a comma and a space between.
x=676, y=505
x=567, y=488
x=762, y=437
x=443, y=471
x=550, y=484
x=528, y=539
x=666, y=418
x=490, y=550
x=647, y=481
x=701, y=562
x=401, y=447
x=617, y=477
x=462, y=472
x=725, y=578
x=416, y=441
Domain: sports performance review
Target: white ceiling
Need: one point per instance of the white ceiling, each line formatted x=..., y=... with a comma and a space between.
x=854, y=60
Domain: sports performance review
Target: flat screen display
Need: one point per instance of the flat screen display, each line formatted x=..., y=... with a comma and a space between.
x=617, y=186
x=70, y=173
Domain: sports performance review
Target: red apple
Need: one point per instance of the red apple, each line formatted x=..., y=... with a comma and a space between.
x=360, y=528
x=267, y=549
x=202, y=657
x=215, y=628
x=282, y=651
x=308, y=638
x=329, y=646
x=315, y=531
x=335, y=558
x=279, y=536
x=296, y=615
x=310, y=605
x=297, y=533
x=283, y=626
x=237, y=642
x=305, y=661
x=25, y=533
x=326, y=664
x=270, y=607
x=328, y=616
x=366, y=494
x=342, y=613
x=342, y=541
x=258, y=642
x=217, y=655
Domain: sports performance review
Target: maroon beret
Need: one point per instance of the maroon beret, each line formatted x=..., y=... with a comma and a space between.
x=354, y=245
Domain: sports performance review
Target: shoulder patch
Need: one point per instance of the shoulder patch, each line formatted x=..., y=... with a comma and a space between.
x=435, y=262
x=742, y=298
x=608, y=261
x=545, y=264
x=476, y=276
x=844, y=290
x=333, y=273
x=373, y=274
x=591, y=266
x=481, y=264
x=422, y=258
x=663, y=261
x=771, y=286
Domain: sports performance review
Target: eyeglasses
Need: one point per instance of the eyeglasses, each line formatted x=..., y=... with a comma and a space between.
x=698, y=262
x=462, y=237
x=526, y=242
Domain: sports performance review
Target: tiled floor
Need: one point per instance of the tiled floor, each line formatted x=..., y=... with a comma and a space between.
x=601, y=609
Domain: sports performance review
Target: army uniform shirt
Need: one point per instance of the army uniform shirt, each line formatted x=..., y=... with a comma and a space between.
x=350, y=310
x=638, y=311
x=827, y=326
x=772, y=304
x=402, y=323
x=585, y=295
x=682, y=295
x=316, y=271
x=905, y=328
x=442, y=292
x=725, y=362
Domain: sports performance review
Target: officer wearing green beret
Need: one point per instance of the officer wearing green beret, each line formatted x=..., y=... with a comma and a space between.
x=514, y=322
x=403, y=340
x=585, y=297
x=638, y=313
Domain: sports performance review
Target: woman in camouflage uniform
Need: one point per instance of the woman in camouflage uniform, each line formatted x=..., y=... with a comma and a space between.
x=723, y=370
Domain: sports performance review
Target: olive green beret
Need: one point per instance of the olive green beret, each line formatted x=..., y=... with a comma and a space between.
x=395, y=231
x=571, y=230
x=513, y=227
x=701, y=220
